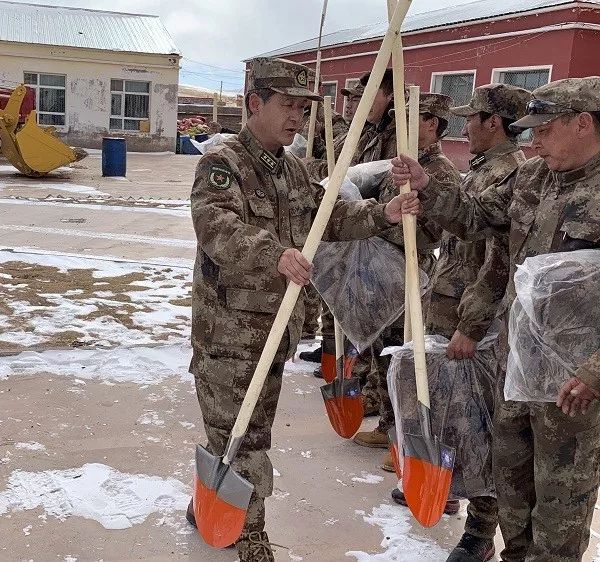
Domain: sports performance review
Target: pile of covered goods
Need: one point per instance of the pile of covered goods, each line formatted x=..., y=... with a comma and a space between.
x=192, y=126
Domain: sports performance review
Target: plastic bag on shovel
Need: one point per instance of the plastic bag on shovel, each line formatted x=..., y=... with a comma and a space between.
x=461, y=394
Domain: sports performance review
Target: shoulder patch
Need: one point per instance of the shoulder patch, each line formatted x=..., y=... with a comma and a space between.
x=220, y=177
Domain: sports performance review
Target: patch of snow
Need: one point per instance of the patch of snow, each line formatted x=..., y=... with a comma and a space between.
x=399, y=544
x=187, y=425
x=30, y=446
x=21, y=338
x=276, y=473
x=150, y=418
x=306, y=454
x=27, y=530
x=95, y=491
x=330, y=522
x=140, y=365
x=366, y=478
x=69, y=558
x=294, y=557
x=70, y=187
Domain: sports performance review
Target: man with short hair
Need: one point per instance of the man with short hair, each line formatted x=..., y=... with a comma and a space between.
x=353, y=96
x=252, y=208
x=470, y=277
x=545, y=456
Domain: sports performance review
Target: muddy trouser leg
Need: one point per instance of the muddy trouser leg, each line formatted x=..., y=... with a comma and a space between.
x=312, y=310
x=482, y=517
x=393, y=335
x=221, y=384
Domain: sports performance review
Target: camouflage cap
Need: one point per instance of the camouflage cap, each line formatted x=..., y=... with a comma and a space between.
x=497, y=99
x=356, y=90
x=558, y=98
x=282, y=76
x=436, y=104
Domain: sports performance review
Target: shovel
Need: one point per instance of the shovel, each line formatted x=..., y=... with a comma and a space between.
x=413, y=144
x=221, y=496
x=428, y=463
x=343, y=398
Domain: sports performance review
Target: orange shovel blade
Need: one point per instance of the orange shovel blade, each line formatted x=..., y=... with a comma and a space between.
x=221, y=499
x=426, y=478
x=219, y=523
x=328, y=366
x=344, y=405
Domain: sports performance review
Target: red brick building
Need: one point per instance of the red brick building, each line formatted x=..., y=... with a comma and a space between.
x=523, y=42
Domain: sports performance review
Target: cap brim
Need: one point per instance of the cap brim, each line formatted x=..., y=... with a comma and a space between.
x=530, y=121
x=464, y=111
x=298, y=93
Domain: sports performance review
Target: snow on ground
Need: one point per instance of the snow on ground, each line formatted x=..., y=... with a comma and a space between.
x=366, y=478
x=61, y=299
x=95, y=491
x=140, y=365
x=399, y=544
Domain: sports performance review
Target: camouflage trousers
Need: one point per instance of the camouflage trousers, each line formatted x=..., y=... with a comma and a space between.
x=221, y=384
x=312, y=311
x=442, y=319
x=547, y=472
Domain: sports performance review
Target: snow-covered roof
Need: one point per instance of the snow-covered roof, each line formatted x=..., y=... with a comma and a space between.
x=88, y=29
x=461, y=13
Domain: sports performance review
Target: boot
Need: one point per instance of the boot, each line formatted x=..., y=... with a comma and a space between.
x=472, y=549
x=313, y=356
x=254, y=546
x=375, y=439
x=451, y=507
x=318, y=373
x=388, y=463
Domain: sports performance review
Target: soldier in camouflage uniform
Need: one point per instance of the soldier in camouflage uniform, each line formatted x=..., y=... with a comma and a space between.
x=470, y=277
x=546, y=456
x=433, y=121
x=353, y=96
x=252, y=209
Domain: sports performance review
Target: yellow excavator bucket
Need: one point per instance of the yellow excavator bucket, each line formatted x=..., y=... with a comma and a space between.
x=33, y=150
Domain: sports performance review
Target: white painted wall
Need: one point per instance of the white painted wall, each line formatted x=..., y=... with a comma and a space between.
x=88, y=75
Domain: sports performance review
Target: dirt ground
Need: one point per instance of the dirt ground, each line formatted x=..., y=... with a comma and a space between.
x=93, y=398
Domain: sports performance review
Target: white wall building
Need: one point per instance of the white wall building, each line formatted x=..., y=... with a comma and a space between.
x=95, y=73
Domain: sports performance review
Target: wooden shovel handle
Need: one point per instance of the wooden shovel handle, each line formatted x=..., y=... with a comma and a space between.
x=409, y=225
x=318, y=228
x=328, y=112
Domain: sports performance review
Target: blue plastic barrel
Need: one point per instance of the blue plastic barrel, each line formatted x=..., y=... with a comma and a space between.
x=187, y=147
x=114, y=156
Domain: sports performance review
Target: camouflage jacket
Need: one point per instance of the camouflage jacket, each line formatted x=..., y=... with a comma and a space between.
x=477, y=272
x=542, y=211
x=248, y=206
x=429, y=232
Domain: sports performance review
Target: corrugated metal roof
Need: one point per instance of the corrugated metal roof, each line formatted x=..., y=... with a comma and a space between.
x=472, y=11
x=88, y=29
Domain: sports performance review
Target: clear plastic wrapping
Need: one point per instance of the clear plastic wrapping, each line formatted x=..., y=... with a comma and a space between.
x=367, y=177
x=362, y=282
x=554, y=324
x=214, y=140
x=298, y=146
x=462, y=399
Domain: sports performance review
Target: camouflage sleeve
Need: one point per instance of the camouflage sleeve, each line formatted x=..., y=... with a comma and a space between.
x=218, y=217
x=470, y=217
x=589, y=372
x=352, y=220
x=317, y=168
x=482, y=297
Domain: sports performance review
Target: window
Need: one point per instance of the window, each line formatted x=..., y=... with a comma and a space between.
x=330, y=89
x=530, y=79
x=460, y=88
x=129, y=104
x=49, y=97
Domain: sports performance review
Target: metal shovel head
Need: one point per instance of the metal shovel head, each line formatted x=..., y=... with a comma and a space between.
x=426, y=477
x=221, y=498
x=344, y=405
x=328, y=366
x=395, y=451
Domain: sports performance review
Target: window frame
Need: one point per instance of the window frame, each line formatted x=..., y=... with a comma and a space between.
x=335, y=96
x=36, y=87
x=434, y=75
x=122, y=116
